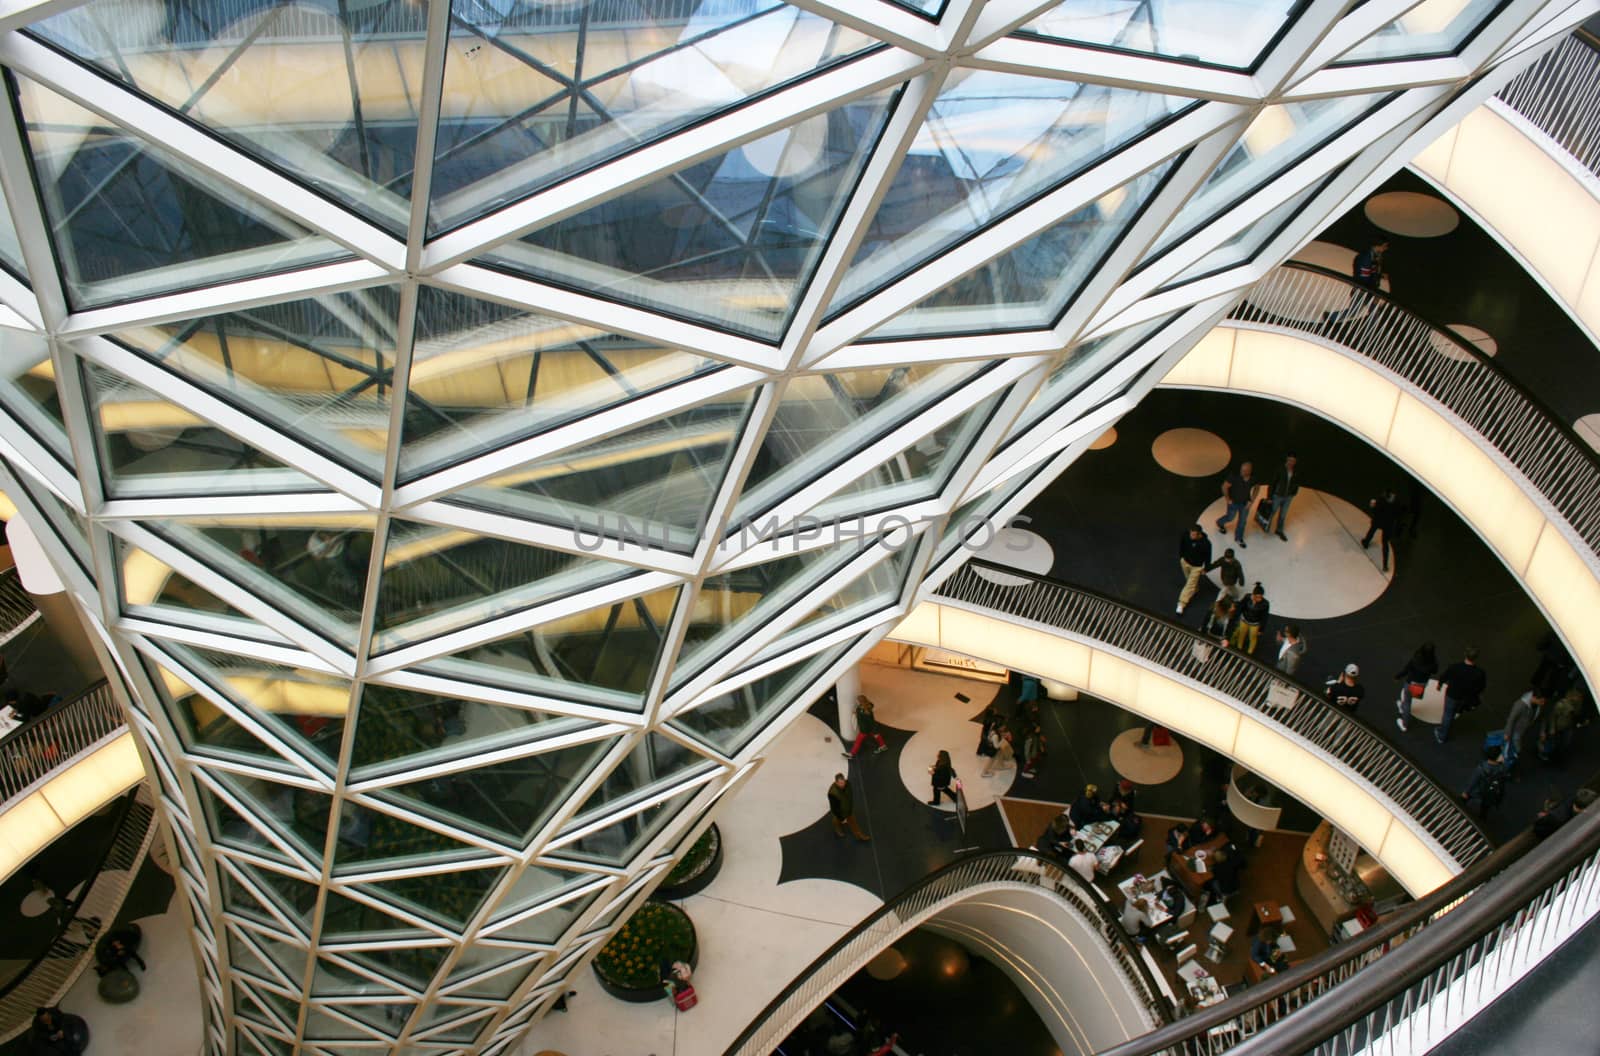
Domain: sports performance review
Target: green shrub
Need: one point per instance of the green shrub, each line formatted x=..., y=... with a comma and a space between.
x=657, y=931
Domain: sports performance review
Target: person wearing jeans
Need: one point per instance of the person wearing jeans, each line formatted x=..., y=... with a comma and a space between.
x=1285, y=486
x=1463, y=684
x=1236, y=490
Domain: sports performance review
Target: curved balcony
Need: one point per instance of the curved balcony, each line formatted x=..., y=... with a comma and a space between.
x=1138, y=1004
x=1171, y=675
x=1526, y=166
x=60, y=768
x=1432, y=402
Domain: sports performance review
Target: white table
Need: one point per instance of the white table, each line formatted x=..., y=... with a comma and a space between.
x=1097, y=834
x=1147, y=888
x=1206, y=991
x=9, y=720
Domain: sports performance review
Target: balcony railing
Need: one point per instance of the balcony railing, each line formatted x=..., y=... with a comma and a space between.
x=1448, y=369
x=1560, y=96
x=945, y=887
x=45, y=979
x=1275, y=698
x=17, y=613
x=34, y=750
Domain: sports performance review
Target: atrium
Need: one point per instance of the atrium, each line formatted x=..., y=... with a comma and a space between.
x=474, y=434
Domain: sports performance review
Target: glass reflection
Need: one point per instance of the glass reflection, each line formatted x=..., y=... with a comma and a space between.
x=28, y=389
x=130, y=220
x=1431, y=28
x=991, y=142
x=404, y=729
x=653, y=762
x=619, y=844
x=535, y=92
x=822, y=418
x=1243, y=246
x=729, y=241
x=1030, y=285
x=483, y=375
x=445, y=898
x=319, y=369
x=877, y=588
x=369, y=838
x=1230, y=33
x=730, y=721
x=329, y=93
x=528, y=912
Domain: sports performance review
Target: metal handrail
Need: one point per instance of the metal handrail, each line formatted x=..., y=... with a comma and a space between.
x=1557, y=464
x=51, y=974
x=945, y=886
x=17, y=612
x=35, y=749
x=1560, y=96
x=1275, y=698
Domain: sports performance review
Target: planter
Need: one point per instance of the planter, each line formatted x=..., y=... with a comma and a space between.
x=628, y=966
x=698, y=868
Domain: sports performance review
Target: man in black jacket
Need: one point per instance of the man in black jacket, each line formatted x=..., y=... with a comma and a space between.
x=1194, y=553
x=1384, y=513
x=1463, y=684
x=1285, y=486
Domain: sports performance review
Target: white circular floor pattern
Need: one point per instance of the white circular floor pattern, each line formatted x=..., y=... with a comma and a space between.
x=1321, y=572
x=1017, y=548
x=925, y=703
x=1480, y=340
x=1411, y=214
x=1191, y=452
x=1310, y=306
x=1588, y=427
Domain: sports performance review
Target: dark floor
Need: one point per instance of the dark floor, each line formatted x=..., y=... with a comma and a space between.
x=1551, y=1012
x=1467, y=277
x=1449, y=588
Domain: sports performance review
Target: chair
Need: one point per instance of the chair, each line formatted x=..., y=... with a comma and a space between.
x=1186, y=918
x=1172, y=936
x=1220, y=934
x=1187, y=954
x=1190, y=970
x=1218, y=911
x=1129, y=852
x=1285, y=943
x=1287, y=914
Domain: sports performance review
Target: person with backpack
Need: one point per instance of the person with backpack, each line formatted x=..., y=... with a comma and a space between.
x=1556, y=727
x=1488, y=784
x=866, y=726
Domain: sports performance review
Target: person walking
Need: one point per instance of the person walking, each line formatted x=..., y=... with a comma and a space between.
x=842, y=808
x=943, y=773
x=1291, y=648
x=1285, y=486
x=1488, y=784
x=1414, y=677
x=1231, y=573
x=1221, y=620
x=1382, y=512
x=1033, y=749
x=1367, y=271
x=1527, y=713
x=1463, y=684
x=1004, y=753
x=866, y=726
x=1253, y=613
x=990, y=718
x=1345, y=692
x=1194, y=553
x=1560, y=720
x=1237, y=488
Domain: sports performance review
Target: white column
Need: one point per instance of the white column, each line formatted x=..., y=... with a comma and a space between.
x=848, y=688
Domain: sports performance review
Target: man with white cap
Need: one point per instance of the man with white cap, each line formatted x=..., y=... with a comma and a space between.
x=1344, y=692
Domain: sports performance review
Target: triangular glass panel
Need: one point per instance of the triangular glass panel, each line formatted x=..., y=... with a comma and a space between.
x=439, y=579
x=370, y=837
x=259, y=1043
x=298, y=816
x=207, y=729
x=412, y=964
x=1243, y=246
x=464, y=1028
x=286, y=1010
x=489, y=968
x=268, y=957
x=319, y=369
x=312, y=565
x=619, y=844
x=449, y=899
x=11, y=246
x=534, y=94
x=348, y=919
x=503, y=801
x=484, y=374
x=732, y=720
x=1431, y=29
x=28, y=389
x=540, y=886
x=404, y=729
x=653, y=762
x=326, y=1027
x=1279, y=136
x=335, y=980
x=252, y=1006
x=153, y=589
x=130, y=219
x=295, y=898
x=603, y=656
x=730, y=241
x=919, y=472
x=276, y=82
x=151, y=447
x=239, y=902
x=306, y=708
x=230, y=828
x=1031, y=284
x=875, y=589
x=652, y=484
x=1230, y=33
x=823, y=419
x=730, y=606
x=992, y=142
x=1080, y=365
x=387, y=1017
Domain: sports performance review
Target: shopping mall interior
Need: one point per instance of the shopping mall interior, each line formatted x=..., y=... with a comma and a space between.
x=697, y=527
